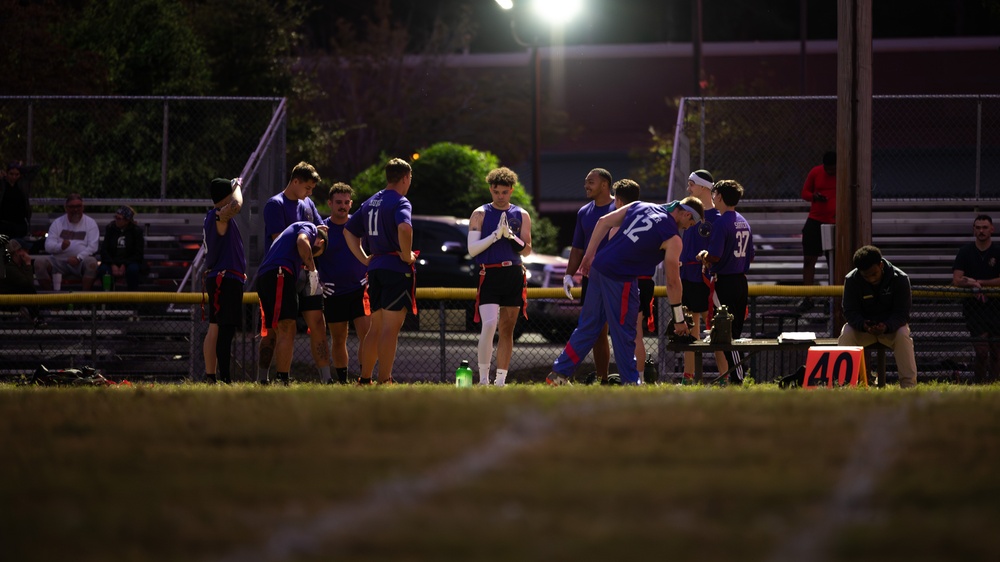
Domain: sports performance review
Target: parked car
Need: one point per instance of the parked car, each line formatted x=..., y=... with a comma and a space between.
x=444, y=261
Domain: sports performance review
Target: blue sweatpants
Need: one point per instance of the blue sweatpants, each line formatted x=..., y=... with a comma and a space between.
x=615, y=303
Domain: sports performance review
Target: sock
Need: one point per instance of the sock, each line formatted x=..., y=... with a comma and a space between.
x=484, y=373
x=324, y=373
x=262, y=373
x=501, y=377
x=342, y=375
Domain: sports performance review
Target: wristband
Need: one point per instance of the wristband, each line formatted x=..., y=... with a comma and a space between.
x=678, y=312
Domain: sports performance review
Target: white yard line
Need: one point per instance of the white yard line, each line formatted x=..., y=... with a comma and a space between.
x=871, y=458
x=386, y=499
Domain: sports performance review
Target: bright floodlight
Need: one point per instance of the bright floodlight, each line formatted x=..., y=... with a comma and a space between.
x=557, y=11
x=506, y=4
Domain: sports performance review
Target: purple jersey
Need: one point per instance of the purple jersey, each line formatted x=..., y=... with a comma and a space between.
x=694, y=242
x=279, y=212
x=586, y=220
x=635, y=250
x=732, y=243
x=337, y=265
x=284, y=252
x=377, y=223
x=500, y=251
x=310, y=212
x=224, y=253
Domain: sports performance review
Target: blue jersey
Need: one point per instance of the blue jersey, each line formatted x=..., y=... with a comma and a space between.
x=694, y=242
x=377, y=223
x=284, y=252
x=635, y=250
x=500, y=251
x=224, y=253
x=310, y=212
x=732, y=243
x=279, y=212
x=586, y=220
x=337, y=265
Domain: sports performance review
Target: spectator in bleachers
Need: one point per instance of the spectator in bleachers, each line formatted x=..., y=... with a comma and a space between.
x=977, y=265
x=18, y=277
x=820, y=190
x=71, y=243
x=877, y=302
x=123, y=249
x=15, y=210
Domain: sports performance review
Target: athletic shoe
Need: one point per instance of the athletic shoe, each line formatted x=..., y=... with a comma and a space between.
x=614, y=379
x=555, y=379
x=591, y=378
x=388, y=382
x=363, y=381
x=281, y=379
x=264, y=381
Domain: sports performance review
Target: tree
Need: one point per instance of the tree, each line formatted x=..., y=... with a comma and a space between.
x=450, y=179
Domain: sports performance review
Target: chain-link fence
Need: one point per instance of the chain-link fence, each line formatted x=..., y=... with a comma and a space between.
x=158, y=336
x=130, y=147
x=923, y=147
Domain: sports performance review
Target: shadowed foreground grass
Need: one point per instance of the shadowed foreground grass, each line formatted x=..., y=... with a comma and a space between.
x=522, y=473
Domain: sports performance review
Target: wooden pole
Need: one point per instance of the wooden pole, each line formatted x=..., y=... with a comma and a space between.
x=854, y=146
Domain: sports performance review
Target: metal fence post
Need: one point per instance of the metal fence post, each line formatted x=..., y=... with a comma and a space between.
x=163, y=149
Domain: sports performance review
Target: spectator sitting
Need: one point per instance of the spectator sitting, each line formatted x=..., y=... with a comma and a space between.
x=71, y=243
x=15, y=211
x=123, y=248
x=18, y=277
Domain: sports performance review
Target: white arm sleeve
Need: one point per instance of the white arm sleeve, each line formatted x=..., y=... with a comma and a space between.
x=477, y=245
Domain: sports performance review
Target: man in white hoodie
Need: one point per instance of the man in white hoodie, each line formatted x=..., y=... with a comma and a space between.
x=71, y=243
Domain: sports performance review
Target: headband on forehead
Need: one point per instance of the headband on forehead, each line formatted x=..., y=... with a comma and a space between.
x=674, y=204
x=698, y=177
x=125, y=212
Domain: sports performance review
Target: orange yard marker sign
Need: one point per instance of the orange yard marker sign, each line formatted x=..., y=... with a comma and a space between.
x=829, y=366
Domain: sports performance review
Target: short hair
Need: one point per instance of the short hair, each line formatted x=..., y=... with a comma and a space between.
x=694, y=203
x=606, y=175
x=320, y=234
x=73, y=196
x=867, y=256
x=396, y=169
x=730, y=190
x=982, y=218
x=340, y=187
x=305, y=171
x=501, y=176
x=627, y=190
x=830, y=158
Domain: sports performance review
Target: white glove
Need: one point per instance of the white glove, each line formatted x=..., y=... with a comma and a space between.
x=503, y=227
x=568, y=285
x=328, y=289
x=309, y=284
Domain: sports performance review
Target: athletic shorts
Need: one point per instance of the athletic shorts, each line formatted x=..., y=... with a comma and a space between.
x=347, y=307
x=503, y=286
x=267, y=287
x=310, y=303
x=390, y=290
x=225, y=303
x=812, y=238
x=695, y=296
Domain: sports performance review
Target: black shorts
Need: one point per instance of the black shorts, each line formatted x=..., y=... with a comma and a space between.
x=812, y=238
x=503, y=286
x=390, y=290
x=310, y=303
x=347, y=307
x=267, y=288
x=646, y=288
x=225, y=302
x=695, y=296
x=732, y=291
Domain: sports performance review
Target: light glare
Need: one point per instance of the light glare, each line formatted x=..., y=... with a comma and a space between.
x=557, y=12
x=506, y=4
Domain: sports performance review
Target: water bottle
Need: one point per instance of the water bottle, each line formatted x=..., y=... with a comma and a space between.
x=649, y=373
x=463, y=375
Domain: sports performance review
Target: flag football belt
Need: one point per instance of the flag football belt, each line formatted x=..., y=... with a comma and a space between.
x=482, y=277
x=650, y=324
x=219, y=276
x=278, y=293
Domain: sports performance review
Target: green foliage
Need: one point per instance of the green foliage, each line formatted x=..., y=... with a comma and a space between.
x=450, y=179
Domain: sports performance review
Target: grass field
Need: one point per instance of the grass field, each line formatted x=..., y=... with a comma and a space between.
x=428, y=472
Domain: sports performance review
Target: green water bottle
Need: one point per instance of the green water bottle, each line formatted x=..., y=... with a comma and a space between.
x=463, y=375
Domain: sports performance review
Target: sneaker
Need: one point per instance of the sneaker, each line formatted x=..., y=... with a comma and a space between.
x=264, y=381
x=805, y=305
x=388, y=382
x=555, y=379
x=591, y=378
x=363, y=381
x=282, y=380
x=614, y=379
x=687, y=379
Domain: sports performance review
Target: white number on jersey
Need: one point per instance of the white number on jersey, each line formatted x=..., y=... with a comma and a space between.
x=635, y=228
x=373, y=222
x=742, y=237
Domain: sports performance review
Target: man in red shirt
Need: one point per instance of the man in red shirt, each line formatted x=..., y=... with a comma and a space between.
x=820, y=189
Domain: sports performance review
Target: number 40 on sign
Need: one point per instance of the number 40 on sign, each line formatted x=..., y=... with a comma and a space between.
x=829, y=366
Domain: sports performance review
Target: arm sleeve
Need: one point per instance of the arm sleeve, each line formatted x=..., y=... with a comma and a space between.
x=901, y=303
x=53, y=243
x=93, y=239
x=478, y=244
x=809, y=188
x=852, y=305
x=107, y=249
